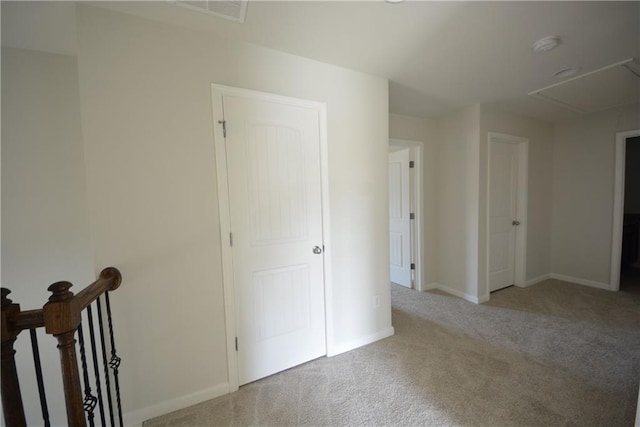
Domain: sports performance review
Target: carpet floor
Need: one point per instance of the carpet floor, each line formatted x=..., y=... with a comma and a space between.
x=554, y=354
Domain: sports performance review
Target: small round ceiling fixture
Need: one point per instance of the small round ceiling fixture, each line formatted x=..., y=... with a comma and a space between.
x=394, y=1
x=566, y=72
x=545, y=44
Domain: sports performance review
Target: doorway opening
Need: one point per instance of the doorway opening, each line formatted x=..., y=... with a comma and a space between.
x=625, y=253
x=405, y=213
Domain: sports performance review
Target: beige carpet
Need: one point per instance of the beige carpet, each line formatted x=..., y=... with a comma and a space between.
x=554, y=354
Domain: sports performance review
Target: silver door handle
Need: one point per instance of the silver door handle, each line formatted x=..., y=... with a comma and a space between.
x=317, y=250
x=515, y=222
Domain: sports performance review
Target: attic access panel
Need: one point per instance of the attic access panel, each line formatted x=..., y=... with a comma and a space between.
x=611, y=86
x=233, y=10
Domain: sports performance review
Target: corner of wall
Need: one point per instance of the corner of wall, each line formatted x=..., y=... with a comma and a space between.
x=458, y=200
x=138, y=417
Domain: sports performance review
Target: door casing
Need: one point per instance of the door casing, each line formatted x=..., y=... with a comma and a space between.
x=618, y=206
x=521, y=203
x=217, y=93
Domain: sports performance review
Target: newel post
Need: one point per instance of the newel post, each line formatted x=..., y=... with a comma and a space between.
x=11, y=396
x=61, y=319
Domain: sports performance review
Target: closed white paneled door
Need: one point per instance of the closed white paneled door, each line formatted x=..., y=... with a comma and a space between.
x=273, y=163
x=503, y=185
x=399, y=218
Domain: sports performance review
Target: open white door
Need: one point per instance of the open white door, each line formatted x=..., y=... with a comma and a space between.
x=399, y=218
x=503, y=220
x=275, y=211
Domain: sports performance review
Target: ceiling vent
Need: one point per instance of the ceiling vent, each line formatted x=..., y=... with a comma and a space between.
x=608, y=87
x=232, y=10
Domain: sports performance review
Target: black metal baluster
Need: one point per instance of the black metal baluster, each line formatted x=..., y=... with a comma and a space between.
x=96, y=370
x=89, y=402
x=115, y=360
x=105, y=363
x=39, y=378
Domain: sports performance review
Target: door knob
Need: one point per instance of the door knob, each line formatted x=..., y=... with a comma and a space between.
x=317, y=250
x=515, y=222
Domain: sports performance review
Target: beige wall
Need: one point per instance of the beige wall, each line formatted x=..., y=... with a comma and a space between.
x=584, y=151
x=150, y=177
x=540, y=136
x=570, y=190
x=145, y=97
x=45, y=219
x=457, y=196
x=423, y=130
x=462, y=150
x=412, y=128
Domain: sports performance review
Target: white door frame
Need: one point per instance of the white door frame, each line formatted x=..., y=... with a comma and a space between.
x=417, y=224
x=217, y=92
x=618, y=206
x=521, y=203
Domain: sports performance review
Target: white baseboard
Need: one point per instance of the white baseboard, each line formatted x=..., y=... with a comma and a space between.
x=579, y=281
x=430, y=286
x=457, y=293
x=362, y=341
x=530, y=282
x=535, y=280
x=136, y=418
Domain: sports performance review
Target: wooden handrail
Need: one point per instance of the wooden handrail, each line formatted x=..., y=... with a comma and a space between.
x=60, y=317
x=11, y=401
x=17, y=321
x=109, y=280
x=28, y=319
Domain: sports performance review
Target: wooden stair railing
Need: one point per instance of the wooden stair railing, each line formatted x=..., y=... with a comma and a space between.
x=61, y=317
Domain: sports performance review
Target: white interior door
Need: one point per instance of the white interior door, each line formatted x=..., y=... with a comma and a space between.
x=273, y=163
x=399, y=218
x=503, y=185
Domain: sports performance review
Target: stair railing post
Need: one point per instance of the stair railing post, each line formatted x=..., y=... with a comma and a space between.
x=11, y=396
x=62, y=316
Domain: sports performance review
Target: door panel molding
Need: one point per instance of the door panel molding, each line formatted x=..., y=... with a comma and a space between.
x=217, y=93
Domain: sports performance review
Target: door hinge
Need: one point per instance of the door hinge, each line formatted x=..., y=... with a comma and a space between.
x=236, y=343
x=230, y=239
x=412, y=164
x=412, y=216
x=413, y=266
x=224, y=127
